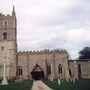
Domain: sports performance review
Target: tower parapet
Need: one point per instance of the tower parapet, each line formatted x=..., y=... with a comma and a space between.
x=8, y=15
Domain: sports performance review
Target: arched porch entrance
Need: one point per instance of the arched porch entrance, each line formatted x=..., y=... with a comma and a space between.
x=37, y=73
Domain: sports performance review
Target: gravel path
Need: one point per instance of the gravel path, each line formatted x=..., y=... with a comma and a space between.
x=39, y=85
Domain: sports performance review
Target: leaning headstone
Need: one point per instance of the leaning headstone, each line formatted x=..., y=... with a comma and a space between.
x=39, y=85
x=59, y=82
x=51, y=79
x=73, y=80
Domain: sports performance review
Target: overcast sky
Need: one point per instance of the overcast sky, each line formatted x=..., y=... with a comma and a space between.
x=51, y=24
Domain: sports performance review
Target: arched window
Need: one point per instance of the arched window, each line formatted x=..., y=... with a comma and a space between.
x=79, y=70
x=60, y=69
x=5, y=36
x=70, y=73
x=48, y=68
x=19, y=71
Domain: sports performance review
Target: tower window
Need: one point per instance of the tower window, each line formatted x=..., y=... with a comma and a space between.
x=2, y=48
x=5, y=36
x=5, y=23
x=60, y=69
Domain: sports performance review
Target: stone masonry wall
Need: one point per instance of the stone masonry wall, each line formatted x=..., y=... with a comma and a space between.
x=28, y=60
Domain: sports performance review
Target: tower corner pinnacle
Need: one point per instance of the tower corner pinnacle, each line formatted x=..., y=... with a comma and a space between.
x=13, y=11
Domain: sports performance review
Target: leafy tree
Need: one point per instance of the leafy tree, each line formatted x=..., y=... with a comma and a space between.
x=84, y=53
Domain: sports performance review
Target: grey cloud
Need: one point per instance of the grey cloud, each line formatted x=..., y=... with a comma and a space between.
x=75, y=17
x=51, y=24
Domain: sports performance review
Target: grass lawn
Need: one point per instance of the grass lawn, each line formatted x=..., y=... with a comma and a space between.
x=27, y=84
x=78, y=85
x=20, y=85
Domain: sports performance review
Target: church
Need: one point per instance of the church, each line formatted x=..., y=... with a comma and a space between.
x=43, y=64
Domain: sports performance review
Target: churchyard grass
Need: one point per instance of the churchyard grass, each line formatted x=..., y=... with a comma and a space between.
x=83, y=84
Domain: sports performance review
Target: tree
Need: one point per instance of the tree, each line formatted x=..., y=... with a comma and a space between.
x=84, y=53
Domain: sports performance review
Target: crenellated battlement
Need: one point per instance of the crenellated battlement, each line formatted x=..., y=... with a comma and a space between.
x=3, y=15
x=46, y=51
x=8, y=15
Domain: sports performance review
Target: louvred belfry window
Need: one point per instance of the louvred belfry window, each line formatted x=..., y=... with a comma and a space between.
x=4, y=36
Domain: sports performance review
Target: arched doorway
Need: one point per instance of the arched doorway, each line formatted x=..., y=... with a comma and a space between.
x=37, y=73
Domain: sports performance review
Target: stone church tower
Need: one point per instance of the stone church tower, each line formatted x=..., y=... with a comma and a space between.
x=8, y=45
